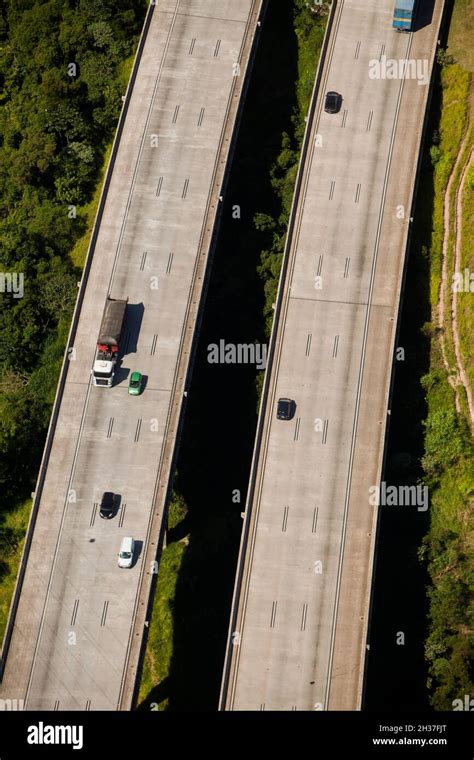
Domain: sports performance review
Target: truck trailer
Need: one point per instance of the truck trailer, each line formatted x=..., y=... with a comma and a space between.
x=108, y=342
x=403, y=15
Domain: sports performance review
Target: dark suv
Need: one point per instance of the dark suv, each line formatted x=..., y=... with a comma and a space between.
x=333, y=102
x=285, y=409
x=107, y=505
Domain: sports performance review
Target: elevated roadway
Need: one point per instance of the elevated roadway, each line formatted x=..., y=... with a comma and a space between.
x=76, y=626
x=299, y=622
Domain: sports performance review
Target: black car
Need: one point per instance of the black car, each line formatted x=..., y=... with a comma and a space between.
x=107, y=505
x=333, y=102
x=285, y=409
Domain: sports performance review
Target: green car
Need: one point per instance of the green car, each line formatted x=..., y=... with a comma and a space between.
x=135, y=384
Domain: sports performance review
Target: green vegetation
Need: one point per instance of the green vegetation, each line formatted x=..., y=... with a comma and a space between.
x=461, y=34
x=447, y=548
x=86, y=213
x=13, y=526
x=309, y=25
x=86, y=216
x=159, y=651
x=188, y=631
x=465, y=312
x=63, y=69
x=424, y=563
x=455, y=85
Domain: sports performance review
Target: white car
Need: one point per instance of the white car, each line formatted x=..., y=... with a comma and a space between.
x=127, y=548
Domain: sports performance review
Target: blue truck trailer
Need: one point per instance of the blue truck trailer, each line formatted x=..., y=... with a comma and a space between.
x=403, y=15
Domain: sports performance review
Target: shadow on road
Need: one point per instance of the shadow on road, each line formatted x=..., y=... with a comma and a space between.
x=219, y=429
x=133, y=326
x=396, y=674
x=424, y=14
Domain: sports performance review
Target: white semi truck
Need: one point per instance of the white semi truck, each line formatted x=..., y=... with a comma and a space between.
x=108, y=342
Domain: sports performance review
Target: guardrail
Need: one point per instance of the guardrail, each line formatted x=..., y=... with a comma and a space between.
x=271, y=353
x=207, y=242
x=399, y=304
x=70, y=343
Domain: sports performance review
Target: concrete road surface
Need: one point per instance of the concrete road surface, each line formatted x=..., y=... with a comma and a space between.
x=80, y=618
x=299, y=622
